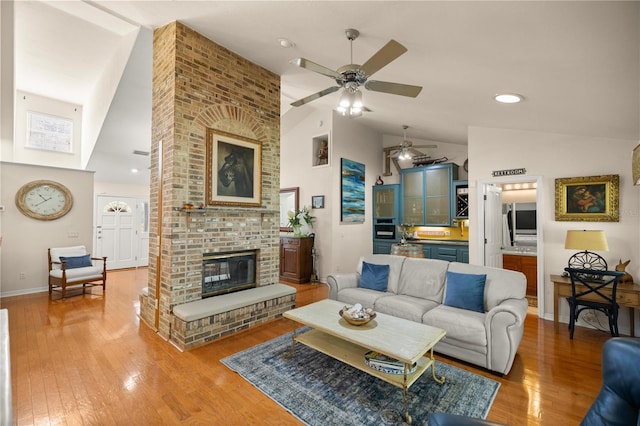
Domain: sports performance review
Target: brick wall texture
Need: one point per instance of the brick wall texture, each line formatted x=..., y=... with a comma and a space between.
x=199, y=85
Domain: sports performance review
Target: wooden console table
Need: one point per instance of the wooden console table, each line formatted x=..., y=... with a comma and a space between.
x=627, y=295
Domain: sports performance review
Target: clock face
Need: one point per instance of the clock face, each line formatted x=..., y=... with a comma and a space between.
x=44, y=200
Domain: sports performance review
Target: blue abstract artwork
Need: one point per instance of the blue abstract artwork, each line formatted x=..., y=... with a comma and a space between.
x=352, y=186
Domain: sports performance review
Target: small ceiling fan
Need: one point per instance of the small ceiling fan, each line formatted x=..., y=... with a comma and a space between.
x=406, y=150
x=352, y=76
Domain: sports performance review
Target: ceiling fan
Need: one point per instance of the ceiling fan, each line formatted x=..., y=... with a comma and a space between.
x=404, y=151
x=352, y=76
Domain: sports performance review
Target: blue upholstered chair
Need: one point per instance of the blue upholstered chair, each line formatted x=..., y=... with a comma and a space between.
x=618, y=402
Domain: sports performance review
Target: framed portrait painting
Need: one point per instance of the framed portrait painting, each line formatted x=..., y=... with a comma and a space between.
x=234, y=170
x=352, y=191
x=588, y=199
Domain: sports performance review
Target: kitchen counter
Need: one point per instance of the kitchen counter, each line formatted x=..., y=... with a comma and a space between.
x=443, y=242
x=520, y=251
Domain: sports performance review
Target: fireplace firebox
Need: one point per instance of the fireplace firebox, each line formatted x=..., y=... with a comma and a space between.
x=228, y=272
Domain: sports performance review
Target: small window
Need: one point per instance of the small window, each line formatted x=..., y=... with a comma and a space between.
x=117, y=207
x=49, y=132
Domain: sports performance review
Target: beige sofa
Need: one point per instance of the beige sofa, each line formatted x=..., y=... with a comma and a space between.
x=416, y=290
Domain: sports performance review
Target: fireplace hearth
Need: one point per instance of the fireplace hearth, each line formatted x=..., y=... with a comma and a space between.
x=228, y=272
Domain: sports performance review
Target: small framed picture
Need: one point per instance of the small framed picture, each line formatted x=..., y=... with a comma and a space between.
x=317, y=202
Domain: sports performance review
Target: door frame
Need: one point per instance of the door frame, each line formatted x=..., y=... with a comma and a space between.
x=539, y=220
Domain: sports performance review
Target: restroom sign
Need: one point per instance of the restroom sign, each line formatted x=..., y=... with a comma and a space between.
x=509, y=172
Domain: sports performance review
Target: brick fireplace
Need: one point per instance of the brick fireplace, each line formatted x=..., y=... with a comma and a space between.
x=199, y=85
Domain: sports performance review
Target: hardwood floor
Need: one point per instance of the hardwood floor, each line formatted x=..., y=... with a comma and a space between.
x=89, y=360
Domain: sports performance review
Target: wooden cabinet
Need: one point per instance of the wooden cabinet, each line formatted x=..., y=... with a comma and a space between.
x=296, y=260
x=426, y=194
x=528, y=265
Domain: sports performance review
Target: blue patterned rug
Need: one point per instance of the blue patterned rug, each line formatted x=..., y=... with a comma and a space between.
x=320, y=390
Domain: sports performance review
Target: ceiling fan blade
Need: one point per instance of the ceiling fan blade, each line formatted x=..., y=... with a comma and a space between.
x=312, y=66
x=315, y=96
x=425, y=146
x=393, y=88
x=382, y=57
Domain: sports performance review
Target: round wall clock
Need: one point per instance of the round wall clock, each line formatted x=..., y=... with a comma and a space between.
x=44, y=200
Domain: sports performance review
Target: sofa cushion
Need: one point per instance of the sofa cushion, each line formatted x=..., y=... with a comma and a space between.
x=407, y=307
x=73, y=262
x=423, y=278
x=501, y=284
x=395, y=265
x=363, y=296
x=79, y=274
x=461, y=324
x=465, y=291
x=374, y=277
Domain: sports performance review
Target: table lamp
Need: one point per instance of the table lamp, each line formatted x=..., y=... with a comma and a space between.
x=587, y=240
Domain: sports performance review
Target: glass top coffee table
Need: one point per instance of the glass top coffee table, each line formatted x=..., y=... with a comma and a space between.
x=406, y=341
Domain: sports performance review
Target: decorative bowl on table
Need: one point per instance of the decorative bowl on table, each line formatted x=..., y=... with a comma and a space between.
x=357, y=316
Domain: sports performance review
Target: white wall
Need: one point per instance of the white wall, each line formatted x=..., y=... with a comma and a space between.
x=355, y=142
x=338, y=245
x=558, y=156
x=26, y=240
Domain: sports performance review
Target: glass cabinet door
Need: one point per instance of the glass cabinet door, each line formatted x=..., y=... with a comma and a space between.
x=413, y=197
x=384, y=202
x=438, y=187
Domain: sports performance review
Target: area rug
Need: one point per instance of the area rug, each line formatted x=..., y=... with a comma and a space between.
x=320, y=390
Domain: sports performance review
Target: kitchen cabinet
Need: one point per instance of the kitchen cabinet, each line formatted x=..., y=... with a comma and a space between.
x=528, y=265
x=386, y=209
x=450, y=253
x=296, y=259
x=386, y=201
x=427, y=194
x=382, y=247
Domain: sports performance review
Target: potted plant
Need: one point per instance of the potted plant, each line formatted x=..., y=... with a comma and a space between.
x=301, y=221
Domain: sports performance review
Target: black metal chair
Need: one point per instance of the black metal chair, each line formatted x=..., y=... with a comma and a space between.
x=593, y=289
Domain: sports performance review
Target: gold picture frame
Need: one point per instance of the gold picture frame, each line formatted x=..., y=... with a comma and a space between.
x=588, y=199
x=234, y=170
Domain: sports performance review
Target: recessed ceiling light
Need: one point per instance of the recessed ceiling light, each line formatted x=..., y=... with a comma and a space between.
x=508, y=98
x=134, y=170
x=286, y=43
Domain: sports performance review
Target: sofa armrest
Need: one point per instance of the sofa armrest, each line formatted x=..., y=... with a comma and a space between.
x=505, y=327
x=339, y=282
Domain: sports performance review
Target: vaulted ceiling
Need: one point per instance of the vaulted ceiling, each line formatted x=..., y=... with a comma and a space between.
x=577, y=64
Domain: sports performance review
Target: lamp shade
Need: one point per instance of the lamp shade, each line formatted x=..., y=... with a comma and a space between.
x=586, y=240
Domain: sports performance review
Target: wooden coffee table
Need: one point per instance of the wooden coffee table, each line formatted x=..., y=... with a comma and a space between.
x=406, y=341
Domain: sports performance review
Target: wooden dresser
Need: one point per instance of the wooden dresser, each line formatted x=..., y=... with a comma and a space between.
x=296, y=260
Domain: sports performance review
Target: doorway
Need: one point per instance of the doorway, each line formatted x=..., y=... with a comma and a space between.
x=122, y=231
x=520, y=229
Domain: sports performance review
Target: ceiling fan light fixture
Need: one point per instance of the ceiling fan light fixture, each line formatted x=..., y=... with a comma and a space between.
x=357, y=99
x=508, y=98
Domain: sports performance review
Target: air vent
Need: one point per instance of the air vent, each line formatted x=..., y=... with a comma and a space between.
x=144, y=153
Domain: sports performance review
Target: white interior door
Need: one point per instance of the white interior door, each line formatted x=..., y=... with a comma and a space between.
x=493, y=226
x=116, y=231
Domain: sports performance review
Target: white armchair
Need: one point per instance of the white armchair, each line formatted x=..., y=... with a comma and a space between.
x=71, y=266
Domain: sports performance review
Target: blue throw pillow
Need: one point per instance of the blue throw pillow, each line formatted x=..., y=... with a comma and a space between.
x=374, y=277
x=77, y=261
x=465, y=291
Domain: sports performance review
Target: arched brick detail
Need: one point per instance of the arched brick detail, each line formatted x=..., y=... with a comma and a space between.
x=230, y=119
